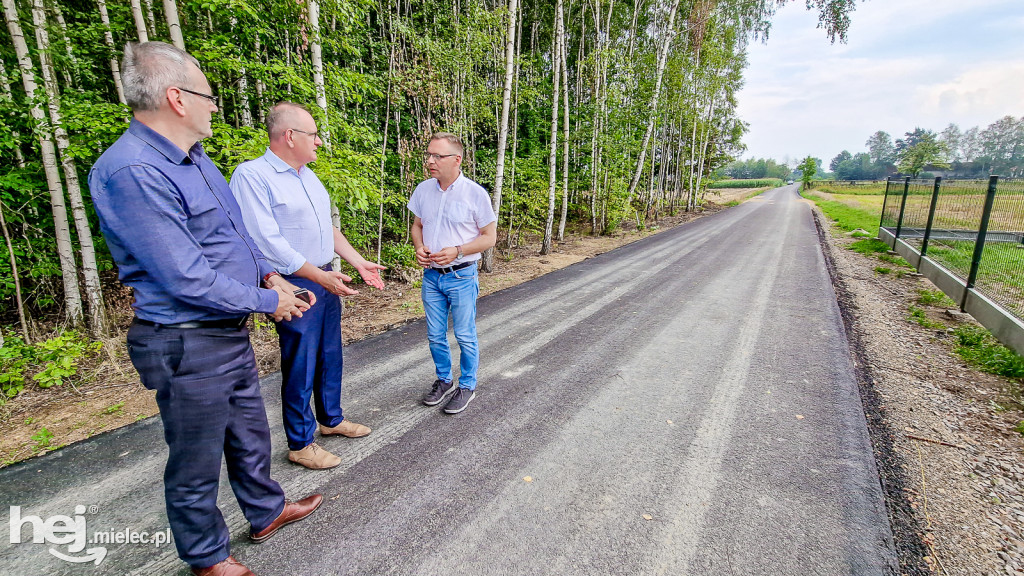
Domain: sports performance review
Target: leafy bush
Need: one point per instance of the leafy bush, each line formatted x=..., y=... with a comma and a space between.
x=54, y=362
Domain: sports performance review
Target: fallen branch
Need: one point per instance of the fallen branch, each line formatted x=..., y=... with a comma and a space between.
x=933, y=441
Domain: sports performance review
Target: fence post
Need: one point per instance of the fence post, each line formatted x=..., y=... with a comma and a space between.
x=885, y=202
x=903, y=206
x=931, y=216
x=979, y=243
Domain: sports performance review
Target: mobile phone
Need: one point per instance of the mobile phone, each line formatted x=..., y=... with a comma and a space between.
x=303, y=294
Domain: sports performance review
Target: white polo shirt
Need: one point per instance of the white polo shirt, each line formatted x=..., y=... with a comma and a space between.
x=452, y=217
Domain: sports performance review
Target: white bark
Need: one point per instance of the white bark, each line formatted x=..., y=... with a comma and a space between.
x=62, y=233
x=565, y=137
x=108, y=39
x=670, y=34
x=243, y=88
x=150, y=19
x=318, y=70
x=93, y=290
x=140, y=21
x=173, y=25
x=487, y=261
x=556, y=70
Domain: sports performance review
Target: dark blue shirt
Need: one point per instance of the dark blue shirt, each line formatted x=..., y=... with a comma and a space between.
x=176, y=232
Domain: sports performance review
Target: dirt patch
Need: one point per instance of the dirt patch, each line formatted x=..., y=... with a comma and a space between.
x=38, y=420
x=949, y=458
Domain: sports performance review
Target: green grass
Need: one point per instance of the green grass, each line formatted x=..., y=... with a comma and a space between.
x=870, y=247
x=919, y=316
x=848, y=217
x=935, y=298
x=866, y=190
x=751, y=183
x=978, y=347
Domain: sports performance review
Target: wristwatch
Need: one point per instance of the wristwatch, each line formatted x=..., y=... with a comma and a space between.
x=460, y=253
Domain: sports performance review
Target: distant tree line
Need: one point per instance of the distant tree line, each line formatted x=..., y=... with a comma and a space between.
x=756, y=168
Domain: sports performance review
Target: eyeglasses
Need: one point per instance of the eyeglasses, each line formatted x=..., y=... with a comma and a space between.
x=428, y=156
x=314, y=133
x=210, y=97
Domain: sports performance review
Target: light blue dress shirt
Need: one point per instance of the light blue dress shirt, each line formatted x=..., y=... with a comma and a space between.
x=287, y=212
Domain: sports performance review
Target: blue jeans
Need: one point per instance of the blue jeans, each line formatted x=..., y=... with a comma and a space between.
x=455, y=292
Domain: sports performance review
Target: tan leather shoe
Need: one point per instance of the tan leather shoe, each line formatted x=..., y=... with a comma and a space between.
x=346, y=428
x=293, y=512
x=228, y=567
x=314, y=457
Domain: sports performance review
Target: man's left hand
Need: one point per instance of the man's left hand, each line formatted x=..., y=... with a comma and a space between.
x=370, y=273
x=445, y=256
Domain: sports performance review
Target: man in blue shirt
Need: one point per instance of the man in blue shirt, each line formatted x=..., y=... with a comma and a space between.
x=177, y=236
x=288, y=211
x=454, y=224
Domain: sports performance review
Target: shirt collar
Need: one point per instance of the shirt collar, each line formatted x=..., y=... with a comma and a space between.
x=161, y=143
x=454, y=182
x=276, y=163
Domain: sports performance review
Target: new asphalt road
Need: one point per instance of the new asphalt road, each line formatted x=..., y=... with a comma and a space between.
x=683, y=405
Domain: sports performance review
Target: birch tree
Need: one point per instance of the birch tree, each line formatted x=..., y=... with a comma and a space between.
x=140, y=21
x=556, y=65
x=173, y=25
x=65, y=251
x=108, y=39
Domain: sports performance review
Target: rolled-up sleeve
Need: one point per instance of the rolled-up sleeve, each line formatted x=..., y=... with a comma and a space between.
x=254, y=199
x=144, y=213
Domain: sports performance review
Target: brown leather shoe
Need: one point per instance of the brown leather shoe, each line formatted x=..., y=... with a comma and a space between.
x=293, y=512
x=346, y=428
x=314, y=457
x=229, y=567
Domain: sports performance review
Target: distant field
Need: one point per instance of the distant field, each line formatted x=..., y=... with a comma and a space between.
x=750, y=183
x=857, y=189
x=850, y=211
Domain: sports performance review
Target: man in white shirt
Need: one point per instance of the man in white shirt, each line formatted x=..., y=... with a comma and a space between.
x=454, y=224
x=288, y=213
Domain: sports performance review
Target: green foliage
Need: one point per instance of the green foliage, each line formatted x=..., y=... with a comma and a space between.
x=808, y=168
x=54, y=362
x=977, y=346
x=848, y=217
x=883, y=270
x=113, y=409
x=869, y=246
x=14, y=360
x=755, y=183
x=42, y=439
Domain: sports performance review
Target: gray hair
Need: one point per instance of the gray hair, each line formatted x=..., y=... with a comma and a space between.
x=149, y=69
x=281, y=113
x=451, y=139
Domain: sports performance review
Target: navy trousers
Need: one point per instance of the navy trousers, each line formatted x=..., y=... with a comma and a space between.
x=208, y=391
x=311, y=366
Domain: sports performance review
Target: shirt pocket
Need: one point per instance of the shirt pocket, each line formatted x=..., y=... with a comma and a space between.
x=460, y=212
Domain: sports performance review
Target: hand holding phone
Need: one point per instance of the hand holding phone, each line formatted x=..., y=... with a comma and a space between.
x=303, y=294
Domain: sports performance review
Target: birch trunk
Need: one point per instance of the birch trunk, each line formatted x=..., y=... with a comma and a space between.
x=487, y=259
x=150, y=19
x=70, y=76
x=62, y=233
x=318, y=70
x=670, y=34
x=243, y=87
x=108, y=39
x=556, y=65
x=140, y=21
x=17, y=280
x=565, y=137
x=173, y=25
x=93, y=290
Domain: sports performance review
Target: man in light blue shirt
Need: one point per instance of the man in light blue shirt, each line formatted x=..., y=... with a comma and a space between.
x=288, y=213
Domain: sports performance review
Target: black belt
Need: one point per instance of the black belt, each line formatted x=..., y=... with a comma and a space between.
x=231, y=323
x=454, y=268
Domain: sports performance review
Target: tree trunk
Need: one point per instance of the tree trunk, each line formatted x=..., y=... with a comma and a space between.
x=150, y=19
x=65, y=251
x=318, y=70
x=17, y=281
x=487, y=260
x=384, y=149
x=140, y=21
x=93, y=290
x=70, y=76
x=556, y=65
x=108, y=39
x=173, y=25
x=670, y=33
x=565, y=137
x=243, y=87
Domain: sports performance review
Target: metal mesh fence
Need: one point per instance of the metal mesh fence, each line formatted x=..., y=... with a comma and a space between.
x=945, y=219
x=1001, y=269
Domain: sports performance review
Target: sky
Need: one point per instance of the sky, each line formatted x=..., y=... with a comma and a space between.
x=906, y=64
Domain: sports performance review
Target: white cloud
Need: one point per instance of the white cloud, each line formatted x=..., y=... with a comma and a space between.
x=908, y=64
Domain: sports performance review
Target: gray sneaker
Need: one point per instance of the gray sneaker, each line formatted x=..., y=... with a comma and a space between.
x=459, y=401
x=438, y=392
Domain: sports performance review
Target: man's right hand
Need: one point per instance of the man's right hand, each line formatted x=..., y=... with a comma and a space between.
x=288, y=306
x=423, y=257
x=334, y=282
